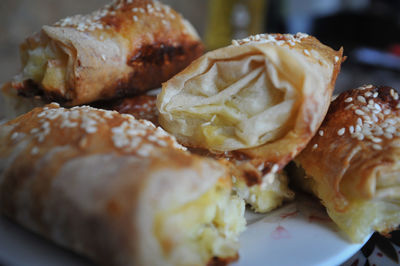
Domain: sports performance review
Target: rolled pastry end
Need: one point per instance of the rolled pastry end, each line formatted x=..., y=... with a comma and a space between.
x=352, y=163
x=122, y=49
x=204, y=229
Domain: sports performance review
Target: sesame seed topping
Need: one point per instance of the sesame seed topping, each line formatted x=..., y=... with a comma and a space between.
x=278, y=39
x=321, y=132
x=351, y=129
x=315, y=146
x=336, y=59
x=348, y=99
x=377, y=147
x=361, y=99
x=274, y=168
x=368, y=94
x=359, y=112
x=375, y=94
x=341, y=131
x=306, y=52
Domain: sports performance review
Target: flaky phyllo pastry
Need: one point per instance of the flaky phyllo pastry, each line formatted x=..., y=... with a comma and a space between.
x=125, y=48
x=257, y=102
x=116, y=189
x=352, y=164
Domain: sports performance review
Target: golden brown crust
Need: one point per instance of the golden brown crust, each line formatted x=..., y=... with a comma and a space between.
x=93, y=180
x=123, y=49
x=356, y=141
x=313, y=102
x=310, y=114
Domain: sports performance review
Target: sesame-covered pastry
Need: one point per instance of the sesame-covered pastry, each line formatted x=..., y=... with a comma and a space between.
x=352, y=164
x=259, y=100
x=116, y=189
x=125, y=48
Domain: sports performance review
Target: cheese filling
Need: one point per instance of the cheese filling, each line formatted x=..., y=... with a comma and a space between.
x=46, y=66
x=202, y=229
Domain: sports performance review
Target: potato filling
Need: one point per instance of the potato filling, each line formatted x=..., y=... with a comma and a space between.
x=207, y=227
x=46, y=66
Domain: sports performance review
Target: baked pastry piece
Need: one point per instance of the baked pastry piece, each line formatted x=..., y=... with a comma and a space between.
x=258, y=101
x=352, y=165
x=116, y=189
x=125, y=48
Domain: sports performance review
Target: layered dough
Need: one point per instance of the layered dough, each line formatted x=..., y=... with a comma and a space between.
x=352, y=164
x=116, y=189
x=122, y=49
x=256, y=102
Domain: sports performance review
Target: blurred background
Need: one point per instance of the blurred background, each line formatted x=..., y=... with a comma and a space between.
x=369, y=30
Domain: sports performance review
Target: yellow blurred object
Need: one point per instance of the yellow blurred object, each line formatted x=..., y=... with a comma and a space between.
x=233, y=19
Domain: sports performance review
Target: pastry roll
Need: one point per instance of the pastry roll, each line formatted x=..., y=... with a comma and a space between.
x=352, y=165
x=122, y=49
x=116, y=189
x=260, y=99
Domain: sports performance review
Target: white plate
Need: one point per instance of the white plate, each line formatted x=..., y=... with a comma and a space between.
x=299, y=233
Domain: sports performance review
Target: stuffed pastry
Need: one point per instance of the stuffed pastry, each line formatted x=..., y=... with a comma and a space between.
x=125, y=48
x=259, y=100
x=116, y=189
x=352, y=164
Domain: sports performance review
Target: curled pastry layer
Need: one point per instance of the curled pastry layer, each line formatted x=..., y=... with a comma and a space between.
x=116, y=189
x=352, y=163
x=122, y=49
x=260, y=99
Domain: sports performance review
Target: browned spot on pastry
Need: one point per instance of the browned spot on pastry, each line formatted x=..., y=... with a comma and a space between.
x=113, y=208
x=252, y=177
x=216, y=261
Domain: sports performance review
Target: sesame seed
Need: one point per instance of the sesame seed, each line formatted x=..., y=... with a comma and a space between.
x=377, y=147
x=388, y=135
x=368, y=94
x=359, y=112
x=306, y=52
x=336, y=59
x=341, y=131
x=358, y=128
x=35, y=150
x=274, y=168
x=369, y=86
x=321, y=132
x=386, y=111
x=376, y=140
x=361, y=99
x=348, y=99
x=351, y=129
x=375, y=94
x=360, y=136
x=349, y=106
x=315, y=146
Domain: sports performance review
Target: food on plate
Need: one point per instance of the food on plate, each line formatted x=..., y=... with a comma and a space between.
x=257, y=102
x=116, y=189
x=125, y=48
x=352, y=164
